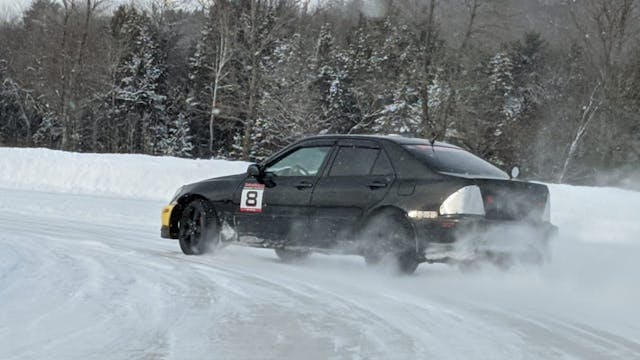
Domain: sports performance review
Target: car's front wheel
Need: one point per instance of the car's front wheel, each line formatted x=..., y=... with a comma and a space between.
x=198, y=228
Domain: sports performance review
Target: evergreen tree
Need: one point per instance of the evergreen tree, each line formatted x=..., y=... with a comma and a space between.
x=48, y=132
x=382, y=61
x=176, y=139
x=338, y=108
x=529, y=55
x=139, y=99
x=501, y=108
x=286, y=112
x=10, y=107
x=17, y=115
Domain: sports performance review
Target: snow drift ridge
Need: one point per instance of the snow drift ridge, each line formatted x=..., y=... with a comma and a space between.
x=116, y=175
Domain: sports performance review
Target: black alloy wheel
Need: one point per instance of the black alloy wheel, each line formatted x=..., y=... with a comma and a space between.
x=198, y=228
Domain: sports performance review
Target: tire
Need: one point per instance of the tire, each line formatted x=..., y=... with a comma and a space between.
x=407, y=261
x=198, y=228
x=291, y=256
x=389, y=238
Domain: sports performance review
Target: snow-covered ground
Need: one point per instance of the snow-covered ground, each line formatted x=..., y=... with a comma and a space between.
x=84, y=275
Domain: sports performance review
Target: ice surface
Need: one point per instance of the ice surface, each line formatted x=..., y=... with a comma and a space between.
x=86, y=276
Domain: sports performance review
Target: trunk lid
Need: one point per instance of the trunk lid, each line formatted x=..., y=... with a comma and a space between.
x=513, y=200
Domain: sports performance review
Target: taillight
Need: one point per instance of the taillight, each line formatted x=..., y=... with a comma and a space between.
x=467, y=200
x=489, y=200
x=448, y=224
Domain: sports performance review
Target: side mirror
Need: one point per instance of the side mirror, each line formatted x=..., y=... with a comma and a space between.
x=254, y=171
x=515, y=171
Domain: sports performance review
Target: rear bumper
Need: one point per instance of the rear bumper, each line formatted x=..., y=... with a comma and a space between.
x=451, y=229
x=463, y=237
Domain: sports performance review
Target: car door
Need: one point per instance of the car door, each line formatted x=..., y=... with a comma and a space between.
x=277, y=206
x=359, y=177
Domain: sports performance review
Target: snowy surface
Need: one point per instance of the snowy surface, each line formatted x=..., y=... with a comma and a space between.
x=84, y=275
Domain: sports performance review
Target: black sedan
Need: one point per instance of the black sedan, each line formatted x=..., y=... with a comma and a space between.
x=381, y=197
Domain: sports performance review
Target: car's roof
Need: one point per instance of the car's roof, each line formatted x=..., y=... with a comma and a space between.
x=398, y=139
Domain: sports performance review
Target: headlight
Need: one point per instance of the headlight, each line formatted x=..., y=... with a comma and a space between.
x=467, y=200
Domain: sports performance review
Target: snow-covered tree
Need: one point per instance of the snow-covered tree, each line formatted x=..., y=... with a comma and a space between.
x=339, y=112
x=212, y=95
x=139, y=93
x=18, y=115
x=286, y=111
x=10, y=106
x=176, y=139
x=48, y=132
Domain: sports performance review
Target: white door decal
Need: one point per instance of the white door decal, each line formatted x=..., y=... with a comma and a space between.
x=251, y=200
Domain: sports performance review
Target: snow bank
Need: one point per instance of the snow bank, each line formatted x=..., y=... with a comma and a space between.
x=596, y=214
x=157, y=178
x=130, y=176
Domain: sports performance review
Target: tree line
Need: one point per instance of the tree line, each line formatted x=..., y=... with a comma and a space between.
x=551, y=87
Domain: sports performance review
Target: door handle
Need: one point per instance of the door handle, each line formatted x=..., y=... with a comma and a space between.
x=377, y=185
x=304, y=185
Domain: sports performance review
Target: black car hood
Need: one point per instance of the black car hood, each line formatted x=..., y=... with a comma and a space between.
x=222, y=178
x=209, y=186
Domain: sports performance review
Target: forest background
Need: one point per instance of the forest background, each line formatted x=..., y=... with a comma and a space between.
x=552, y=86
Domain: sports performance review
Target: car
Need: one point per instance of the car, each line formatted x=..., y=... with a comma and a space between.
x=381, y=197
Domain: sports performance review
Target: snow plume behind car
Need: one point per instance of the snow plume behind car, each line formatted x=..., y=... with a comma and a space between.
x=504, y=246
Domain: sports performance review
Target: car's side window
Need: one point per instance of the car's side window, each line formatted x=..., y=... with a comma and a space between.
x=353, y=161
x=382, y=165
x=305, y=161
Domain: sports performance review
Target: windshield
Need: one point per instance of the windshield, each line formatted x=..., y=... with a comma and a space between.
x=455, y=161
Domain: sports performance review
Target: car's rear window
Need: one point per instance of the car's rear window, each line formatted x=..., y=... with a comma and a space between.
x=455, y=161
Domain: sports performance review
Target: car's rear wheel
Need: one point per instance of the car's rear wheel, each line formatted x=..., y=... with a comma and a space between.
x=388, y=238
x=290, y=256
x=198, y=228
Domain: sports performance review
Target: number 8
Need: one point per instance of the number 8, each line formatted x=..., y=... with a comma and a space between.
x=252, y=198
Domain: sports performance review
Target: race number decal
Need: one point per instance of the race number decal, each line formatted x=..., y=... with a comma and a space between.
x=251, y=200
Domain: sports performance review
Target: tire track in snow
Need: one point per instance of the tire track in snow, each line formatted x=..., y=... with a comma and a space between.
x=87, y=285
x=72, y=238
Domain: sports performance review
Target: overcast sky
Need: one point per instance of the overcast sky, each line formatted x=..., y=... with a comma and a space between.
x=9, y=8
x=12, y=8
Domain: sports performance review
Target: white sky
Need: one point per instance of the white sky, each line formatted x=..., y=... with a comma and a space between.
x=12, y=8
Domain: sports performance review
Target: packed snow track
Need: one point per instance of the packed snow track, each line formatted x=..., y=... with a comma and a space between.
x=87, y=277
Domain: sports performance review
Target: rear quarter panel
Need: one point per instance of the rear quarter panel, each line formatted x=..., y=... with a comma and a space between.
x=427, y=194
